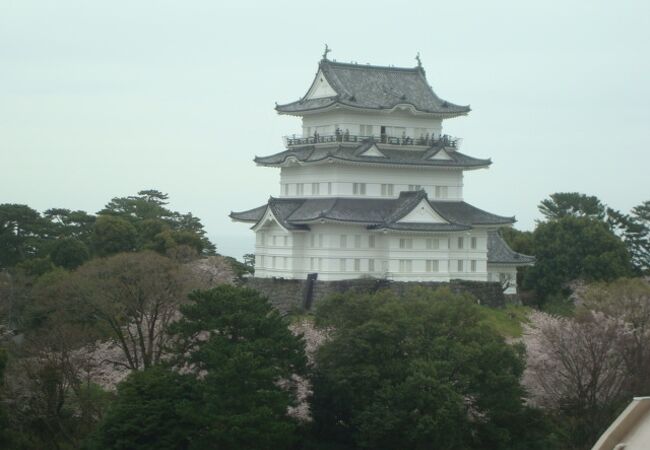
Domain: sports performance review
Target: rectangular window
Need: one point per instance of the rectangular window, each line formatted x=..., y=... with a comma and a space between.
x=357, y=265
x=320, y=241
x=473, y=265
x=359, y=188
x=342, y=264
x=460, y=265
x=274, y=262
x=404, y=265
x=414, y=187
x=344, y=241
x=461, y=243
x=371, y=265
x=366, y=130
x=473, y=243
x=285, y=240
x=312, y=240
x=433, y=244
x=315, y=189
x=262, y=238
x=405, y=243
x=275, y=240
x=300, y=188
x=432, y=265
x=285, y=188
x=320, y=263
x=312, y=263
x=441, y=191
x=386, y=190
x=371, y=241
x=357, y=241
x=329, y=188
x=261, y=261
x=285, y=262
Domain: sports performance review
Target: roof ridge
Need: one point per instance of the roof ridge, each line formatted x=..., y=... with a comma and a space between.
x=370, y=66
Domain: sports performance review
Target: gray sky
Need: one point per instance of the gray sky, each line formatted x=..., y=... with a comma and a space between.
x=102, y=99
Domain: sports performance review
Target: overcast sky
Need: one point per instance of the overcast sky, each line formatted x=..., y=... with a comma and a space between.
x=102, y=99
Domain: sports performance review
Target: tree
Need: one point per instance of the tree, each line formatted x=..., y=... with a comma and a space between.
x=133, y=296
x=634, y=230
x=222, y=388
x=114, y=235
x=69, y=253
x=23, y=234
x=627, y=300
x=153, y=410
x=159, y=228
x=576, y=368
x=573, y=248
x=417, y=371
x=572, y=204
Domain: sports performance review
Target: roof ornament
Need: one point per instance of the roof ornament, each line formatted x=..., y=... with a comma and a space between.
x=417, y=58
x=327, y=50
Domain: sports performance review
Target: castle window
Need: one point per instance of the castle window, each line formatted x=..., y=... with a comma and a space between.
x=300, y=188
x=312, y=240
x=329, y=188
x=359, y=188
x=386, y=190
x=320, y=240
x=285, y=188
x=342, y=265
x=285, y=240
x=371, y=241
x=461, y=243
x=275, y=240
x=405, y=265
x=371, y=265
x=433, y=244
x=441, y=192
x=432, y=265
x=260, y=262
x=460, y=265
x=473, y=265
x=312, y=263
x=405, y=243
x=357, y=241
x=274, y=262
x=315, y=188
x=344, y=241
x=285, y=260
x=357, y=265
x=414, y=187
x=366, y=130
x=473, y=243
x=320, y=263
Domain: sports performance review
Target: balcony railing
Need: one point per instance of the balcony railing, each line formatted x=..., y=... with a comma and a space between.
x=429, y=141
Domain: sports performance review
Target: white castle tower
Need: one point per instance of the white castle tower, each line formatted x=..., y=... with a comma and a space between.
x=372, y=188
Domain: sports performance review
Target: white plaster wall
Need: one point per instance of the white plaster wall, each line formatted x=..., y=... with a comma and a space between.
x=414, y=126
x=323, y=253
x=337, y=180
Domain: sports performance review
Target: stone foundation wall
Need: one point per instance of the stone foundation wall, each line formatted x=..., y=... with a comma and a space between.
x=289, y=295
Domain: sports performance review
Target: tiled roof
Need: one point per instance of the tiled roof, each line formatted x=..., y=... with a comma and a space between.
x=500, y=253
x=392, y=156
x=374, y=213
x=376, y=87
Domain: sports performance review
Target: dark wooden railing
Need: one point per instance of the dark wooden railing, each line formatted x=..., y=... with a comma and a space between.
x=446, y=140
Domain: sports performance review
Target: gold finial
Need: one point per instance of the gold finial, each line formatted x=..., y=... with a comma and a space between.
x=417, y=58
x=327, y=50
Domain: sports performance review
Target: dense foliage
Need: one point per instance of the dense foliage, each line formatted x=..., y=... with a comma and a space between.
x=233, y=349
x=61, y=237
x=420, y=371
